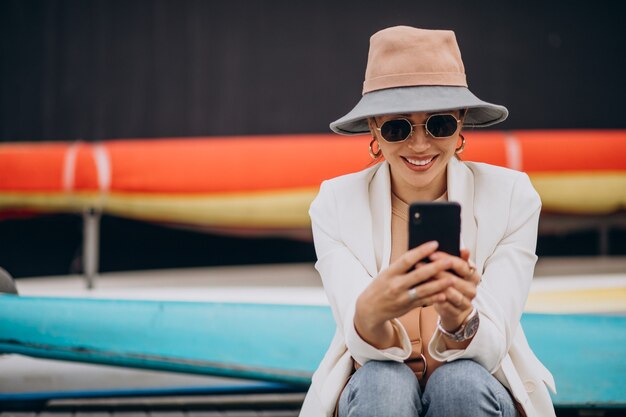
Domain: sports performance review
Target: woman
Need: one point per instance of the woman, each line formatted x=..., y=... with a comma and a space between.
x=441, y=338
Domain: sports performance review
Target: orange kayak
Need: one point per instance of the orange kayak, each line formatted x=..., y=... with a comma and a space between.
x=263, y=183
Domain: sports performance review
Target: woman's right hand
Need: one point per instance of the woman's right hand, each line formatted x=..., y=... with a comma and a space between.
x=388, y=297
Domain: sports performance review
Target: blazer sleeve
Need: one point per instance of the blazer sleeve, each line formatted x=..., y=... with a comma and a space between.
x=344, y=278
x=506, y=278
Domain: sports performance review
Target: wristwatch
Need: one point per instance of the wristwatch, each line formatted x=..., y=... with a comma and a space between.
x=467, y=330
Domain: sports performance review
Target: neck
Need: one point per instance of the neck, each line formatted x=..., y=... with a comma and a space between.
x=409, y=193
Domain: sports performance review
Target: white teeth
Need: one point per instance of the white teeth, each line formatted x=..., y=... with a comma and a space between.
x=420, y=162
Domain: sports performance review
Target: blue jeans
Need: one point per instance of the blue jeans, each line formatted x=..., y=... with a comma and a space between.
x=459, y=388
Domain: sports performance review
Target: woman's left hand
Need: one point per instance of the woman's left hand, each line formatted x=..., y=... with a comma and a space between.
x=458, y=302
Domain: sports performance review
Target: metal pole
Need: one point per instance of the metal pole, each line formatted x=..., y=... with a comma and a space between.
x=91, y=245
x=603, y=239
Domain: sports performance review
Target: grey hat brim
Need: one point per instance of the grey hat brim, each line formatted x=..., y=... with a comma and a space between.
x=419, y=99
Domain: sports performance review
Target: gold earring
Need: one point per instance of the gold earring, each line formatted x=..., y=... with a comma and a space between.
x=460, y=149
x=376, y=154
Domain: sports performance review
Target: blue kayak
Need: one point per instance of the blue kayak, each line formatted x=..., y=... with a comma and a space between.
x=277, y=343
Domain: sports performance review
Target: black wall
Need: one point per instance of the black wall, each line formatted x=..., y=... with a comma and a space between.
x=97, y=70
x=110, y=69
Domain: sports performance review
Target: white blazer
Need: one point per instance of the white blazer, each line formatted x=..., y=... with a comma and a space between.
x=351, y=220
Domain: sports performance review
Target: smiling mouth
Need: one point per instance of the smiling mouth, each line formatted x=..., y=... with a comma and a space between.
x=419, y=162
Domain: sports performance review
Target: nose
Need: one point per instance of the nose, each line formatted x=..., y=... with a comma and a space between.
x=419, y=140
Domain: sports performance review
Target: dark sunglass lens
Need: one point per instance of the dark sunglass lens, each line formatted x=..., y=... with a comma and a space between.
x=395, y=130
x=442, y=125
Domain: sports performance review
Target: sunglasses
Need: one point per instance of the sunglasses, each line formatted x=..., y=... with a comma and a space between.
x=439, y=126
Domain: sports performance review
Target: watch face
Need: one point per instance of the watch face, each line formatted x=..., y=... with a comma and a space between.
x=472, y=326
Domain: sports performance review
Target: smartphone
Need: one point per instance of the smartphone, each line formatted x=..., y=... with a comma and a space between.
x=440, y=221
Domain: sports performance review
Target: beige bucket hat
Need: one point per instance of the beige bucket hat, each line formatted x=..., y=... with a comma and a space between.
x=412, y=70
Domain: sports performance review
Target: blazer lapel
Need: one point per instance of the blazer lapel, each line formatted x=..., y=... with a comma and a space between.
x=359, y=219
x=380, y=205
x=461, y=190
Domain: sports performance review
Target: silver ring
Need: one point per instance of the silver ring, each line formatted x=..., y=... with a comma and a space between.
x=412, y=294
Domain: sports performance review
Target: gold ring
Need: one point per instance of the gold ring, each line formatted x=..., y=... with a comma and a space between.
x=472, y=270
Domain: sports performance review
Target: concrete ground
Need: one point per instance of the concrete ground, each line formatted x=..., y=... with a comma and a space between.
x=561, y=285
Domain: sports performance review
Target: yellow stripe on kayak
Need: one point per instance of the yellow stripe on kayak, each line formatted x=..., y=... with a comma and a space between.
x=573, y=193
x=593, y=300
x=281, y=209
x=50, y=202
x=581, y=192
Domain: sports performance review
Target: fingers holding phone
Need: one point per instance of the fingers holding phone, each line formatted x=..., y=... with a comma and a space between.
x=399, y=288
x=416, y=254
x=459, y=296
x=462, y=267
x=424, y=285
x=455, y=304
x=419, y=280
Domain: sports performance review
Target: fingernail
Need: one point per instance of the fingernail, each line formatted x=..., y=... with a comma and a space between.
x=432, y=244
x=435, y=256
